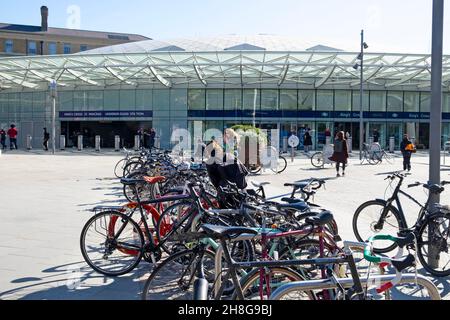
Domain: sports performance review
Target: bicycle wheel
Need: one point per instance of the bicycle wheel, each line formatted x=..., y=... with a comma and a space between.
x=106, y=255
x=255, y=168
x=365, y=221
x=118, y=169
x=317, y=160
x=277, y=277
x=173, y=279
x=132, y=167
x=281, y=165
x=441, y=244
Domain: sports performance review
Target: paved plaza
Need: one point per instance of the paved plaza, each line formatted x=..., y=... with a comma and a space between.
x=45, y=201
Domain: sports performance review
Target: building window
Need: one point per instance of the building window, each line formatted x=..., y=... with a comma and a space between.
x=251, y=99
x=67, y=48
x=214, y=99
x=425, y=102
x=288, y=99
x=52, y=48
x=357, y=101
x=378, y=101
x=32, y=49
x=269, y=100
x=325, y=100
x=83, y=47
x=233, y=99
x=395, y=101
x=411, y=101
x=9, y=46
x=306, y=100
x=343, y=100
x=196, y=99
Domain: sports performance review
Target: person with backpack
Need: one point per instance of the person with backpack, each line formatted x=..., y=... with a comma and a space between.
x=340, y=154
x=407, y=148
x=307, y=140
x=12, y=134
x=3, y=138
x=46, y=139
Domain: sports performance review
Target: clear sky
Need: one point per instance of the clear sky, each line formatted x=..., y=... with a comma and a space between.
x=390, y=25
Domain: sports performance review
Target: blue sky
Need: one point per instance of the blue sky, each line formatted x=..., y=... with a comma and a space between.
x=390, y=25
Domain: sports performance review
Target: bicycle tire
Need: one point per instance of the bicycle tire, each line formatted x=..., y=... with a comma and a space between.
x=168, y=277
x=317, y=160
x=254, y=169
x=118, y=169
x=137, y=252
x=250, y=282
x=283, y=165
x=437, y=239
x=393, y=212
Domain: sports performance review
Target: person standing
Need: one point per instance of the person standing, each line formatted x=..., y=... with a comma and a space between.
x=340, y=154
x=151, y=139
x=307, y=140
x=407, y=149
x=46, y=139
x=3, y=138
x=12, y=134
x=376, y=136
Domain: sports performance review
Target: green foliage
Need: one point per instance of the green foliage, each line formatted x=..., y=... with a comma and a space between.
x=250, y=131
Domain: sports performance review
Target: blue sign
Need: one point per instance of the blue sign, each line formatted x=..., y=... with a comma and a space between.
x=106, y=114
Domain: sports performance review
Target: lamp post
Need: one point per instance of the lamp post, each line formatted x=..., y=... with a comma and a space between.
x=53, y=94
x=360, y=65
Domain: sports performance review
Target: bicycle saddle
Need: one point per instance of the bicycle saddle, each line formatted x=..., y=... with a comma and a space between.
x=131, y=182
x=291, y=200
x=321, y=219
x=299, y=185
x=300, y=206
x=259, y=184
x=223, y=231
x=154, y=180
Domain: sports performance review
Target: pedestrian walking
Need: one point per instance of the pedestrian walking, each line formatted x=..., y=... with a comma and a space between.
x=3, y=138
x=376, y=136
x=340, y=154
x=407, y=148
x=307, y=140
x=46, y=139
x=12, y=134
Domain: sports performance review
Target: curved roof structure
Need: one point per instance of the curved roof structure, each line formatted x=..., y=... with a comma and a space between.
x=230, y=60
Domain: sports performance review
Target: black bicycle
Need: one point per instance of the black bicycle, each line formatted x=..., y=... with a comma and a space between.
x=431, y=228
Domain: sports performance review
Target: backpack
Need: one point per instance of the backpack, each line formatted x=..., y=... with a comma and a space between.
x=411, y=148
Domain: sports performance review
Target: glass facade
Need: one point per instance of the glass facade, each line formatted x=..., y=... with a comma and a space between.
x=391, y=112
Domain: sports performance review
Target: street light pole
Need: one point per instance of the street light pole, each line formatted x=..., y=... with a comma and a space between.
x=53, y=93
x=436, y=115
x=361, y=92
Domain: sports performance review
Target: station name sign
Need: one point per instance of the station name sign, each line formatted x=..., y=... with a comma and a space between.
x=106, y=114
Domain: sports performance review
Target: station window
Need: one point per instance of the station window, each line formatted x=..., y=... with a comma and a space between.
x=196, y=99
x=411, y=101
x=288, y=99
x=378, y=101
x=357, y=101
x=343, y=100
x=446, y=103
x=306, y=100
x=395, y=101
x=325, y=100
x=233, y=99
x=251, y=99
x=425, y=102
x=214, y=99
x=269, y=100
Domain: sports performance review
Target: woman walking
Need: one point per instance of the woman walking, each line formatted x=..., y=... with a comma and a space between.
x=307, y=141
x=340, y=154
x=407, y=149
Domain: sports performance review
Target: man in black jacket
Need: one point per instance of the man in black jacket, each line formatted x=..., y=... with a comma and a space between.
x=406, y=153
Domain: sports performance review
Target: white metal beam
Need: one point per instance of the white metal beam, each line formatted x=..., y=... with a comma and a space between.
x=326, y=77
x=159, y=77
x=78, y=75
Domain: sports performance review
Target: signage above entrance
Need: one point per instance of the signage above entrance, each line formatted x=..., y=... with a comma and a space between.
x=105, y=114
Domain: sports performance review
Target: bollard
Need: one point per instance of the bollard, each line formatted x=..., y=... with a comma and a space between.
x=391, y=144
x=285, y=145
x=370, y=141
x=327, y=141
x=80, y=143
x=137, y=143
x=350, y=145
x=413, y=140
x=29, y=142
x=62, y=142
x=117, y=143
x=97, y=143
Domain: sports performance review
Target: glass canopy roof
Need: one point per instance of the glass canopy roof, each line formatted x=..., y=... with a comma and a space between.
x=241, y=68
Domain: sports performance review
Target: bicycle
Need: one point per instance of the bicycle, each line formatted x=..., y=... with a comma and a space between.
x=387, y=216
x=381, y=284
x=321, y=158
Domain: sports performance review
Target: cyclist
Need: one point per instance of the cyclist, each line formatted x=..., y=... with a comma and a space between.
x=407, y=149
